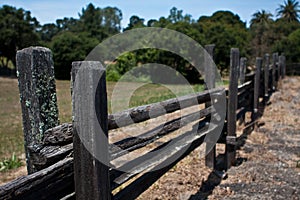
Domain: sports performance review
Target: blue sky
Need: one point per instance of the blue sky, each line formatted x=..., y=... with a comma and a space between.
x=47, y=11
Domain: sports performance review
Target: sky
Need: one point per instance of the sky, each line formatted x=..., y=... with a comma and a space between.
x=47, y=11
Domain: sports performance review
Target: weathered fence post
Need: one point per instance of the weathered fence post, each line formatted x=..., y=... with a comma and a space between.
x=278, y=70
x=274, y=68
x=232, y=106
x=266, y=77
x=210, y=158
x=90, y=131
x=256, y=89
x=284, y=67
x=281, y=66
x=37, y=96
x=243, y=63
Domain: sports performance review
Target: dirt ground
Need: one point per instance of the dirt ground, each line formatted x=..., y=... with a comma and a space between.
x=268, y=164
x=12, y=174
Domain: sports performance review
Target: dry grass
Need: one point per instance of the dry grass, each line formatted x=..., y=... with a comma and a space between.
x=11, y=135
x=64, y=101
x=12, y=140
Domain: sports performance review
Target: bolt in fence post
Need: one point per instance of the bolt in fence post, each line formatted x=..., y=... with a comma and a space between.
x=266, y=77
x=232, y=107
x=210, y=158
x=35, y=73
x=243, y=63
x=256, y=89
x=89, y=102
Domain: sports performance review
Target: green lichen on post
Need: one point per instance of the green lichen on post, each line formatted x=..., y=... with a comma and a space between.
x=46, y=95
x=37, y=96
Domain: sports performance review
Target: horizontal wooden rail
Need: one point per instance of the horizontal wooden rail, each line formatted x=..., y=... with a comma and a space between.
x=245, y=87
x=49, y=155
x=151, y=160
x=133, y=143
x=60, y=147
x=142, y=113
x=54, y=182
x=134, y=189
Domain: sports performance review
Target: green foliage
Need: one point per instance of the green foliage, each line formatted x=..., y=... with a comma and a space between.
x=175, y=21
x=17, y=32
x=48, y=31
x=281, y=29
x=135, y=22
x=112, y=74
x=10, y=163
x=225, y=30
x=71, y=39
x=261, y=30
x=68, y=47
x=126, y=62
x=289, y=11
x=287, y=45
x=131, y=61
x=269, y=35
x=100, y=23
x=293, y=52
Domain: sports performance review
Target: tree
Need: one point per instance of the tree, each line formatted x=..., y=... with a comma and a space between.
x=175, y=15
x=100, y=23
x=286, y=24
x=225, y=30
x=288, y=47
x=135, y=22
x=262, y=18
x=175, y=21
x=289, y=10
x=152, y=23
x=112, y=20
x=292, y=51
x=48, y=31
x=18, y=30
x=260, y=27
x=68, y=24
x=162, y=22
x=68, y=47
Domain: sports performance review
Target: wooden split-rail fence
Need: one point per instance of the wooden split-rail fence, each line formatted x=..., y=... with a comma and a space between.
x=61, y=167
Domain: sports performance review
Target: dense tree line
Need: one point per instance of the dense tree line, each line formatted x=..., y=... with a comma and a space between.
x=72, y=39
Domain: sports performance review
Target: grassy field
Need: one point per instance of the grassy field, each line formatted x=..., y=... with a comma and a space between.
x=11, y=136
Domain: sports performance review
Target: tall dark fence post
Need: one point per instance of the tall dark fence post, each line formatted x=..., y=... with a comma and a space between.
x=232, y=106
x=281, y=66
x=266, y=76
x=37, y=96
x=243, y=63
x=89, y=100
x=210, y=158
x=274, y=71
x=284, y=67
x=256, y=88
x=278, y=70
